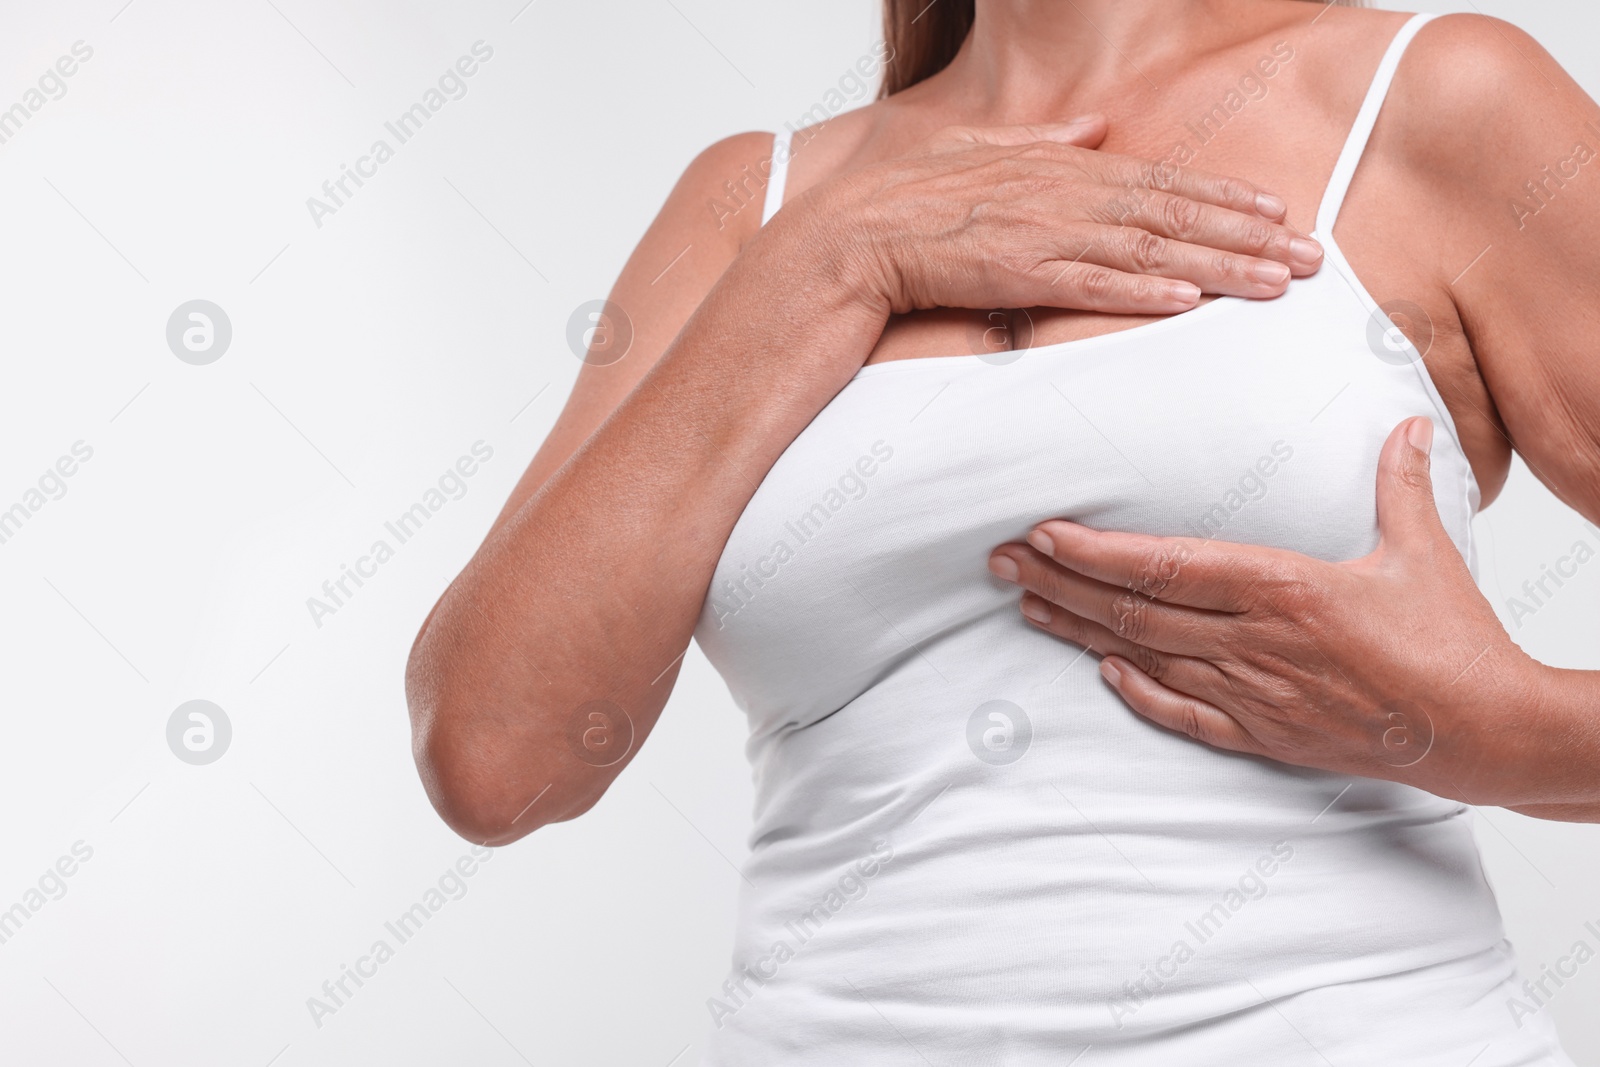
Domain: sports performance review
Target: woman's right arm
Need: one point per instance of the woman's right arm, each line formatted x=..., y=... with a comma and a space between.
x=584, y=595
x=590, y=583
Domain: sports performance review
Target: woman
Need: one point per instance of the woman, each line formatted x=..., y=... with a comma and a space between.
x=966, y=849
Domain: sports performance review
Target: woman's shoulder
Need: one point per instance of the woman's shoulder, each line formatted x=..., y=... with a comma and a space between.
x=838, y=143
x=1454, y=65
x=728, y=179
x=717, y=198
x=1476, y=102
x=1472, y=36
x=1468, y=77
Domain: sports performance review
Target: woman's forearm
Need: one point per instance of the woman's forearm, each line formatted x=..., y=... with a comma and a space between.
x=591, y=590
x=1567, y=716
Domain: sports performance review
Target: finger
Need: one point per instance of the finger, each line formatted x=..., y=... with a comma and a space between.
x=1138, y=251
x=1407, y=514
x=1196, y=222
x=1185, y=673
x=1221, y=190
x=1213, y=575
x=1093, y=287
x=1185, y=714
x=1135, y=618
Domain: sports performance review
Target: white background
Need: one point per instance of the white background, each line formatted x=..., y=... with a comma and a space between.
x=368, y=354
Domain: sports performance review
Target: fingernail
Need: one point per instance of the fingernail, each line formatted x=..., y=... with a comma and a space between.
x=1041, y=541
x=1305, y=250
x=1035, y=609
x=1184, y=293
x=1269, y=272
x=1109, y=672
x=1420, y=434
x=1270, y=206
x=1004, y=568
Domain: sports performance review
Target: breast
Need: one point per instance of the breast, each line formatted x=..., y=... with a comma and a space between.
x=867, y=542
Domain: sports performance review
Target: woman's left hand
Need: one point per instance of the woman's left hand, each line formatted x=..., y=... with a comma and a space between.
x=1389, y=666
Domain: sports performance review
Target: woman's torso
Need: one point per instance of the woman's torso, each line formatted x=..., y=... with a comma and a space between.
x=966, y=848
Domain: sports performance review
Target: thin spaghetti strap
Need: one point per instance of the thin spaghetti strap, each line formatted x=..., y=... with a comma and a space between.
x=778, y=172
x=1344, y=170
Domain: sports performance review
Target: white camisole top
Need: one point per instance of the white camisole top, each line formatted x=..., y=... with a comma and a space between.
x=966, y=849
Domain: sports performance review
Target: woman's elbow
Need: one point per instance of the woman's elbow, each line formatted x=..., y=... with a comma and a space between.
x=486, y=782
x=480, y=793
x=487, y=761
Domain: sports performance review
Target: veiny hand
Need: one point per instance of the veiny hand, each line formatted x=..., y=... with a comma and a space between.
x=1034, y=216
x=1389, y=666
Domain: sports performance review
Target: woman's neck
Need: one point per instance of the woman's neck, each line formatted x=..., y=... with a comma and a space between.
x=1036, y=60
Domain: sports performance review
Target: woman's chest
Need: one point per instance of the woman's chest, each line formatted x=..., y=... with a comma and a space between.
x=869, y=537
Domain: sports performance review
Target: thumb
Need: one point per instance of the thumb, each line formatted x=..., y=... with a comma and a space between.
x=1085, y=131
x=1407, y=514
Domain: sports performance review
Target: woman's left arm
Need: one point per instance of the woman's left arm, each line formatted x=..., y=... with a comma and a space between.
x=1394, y=665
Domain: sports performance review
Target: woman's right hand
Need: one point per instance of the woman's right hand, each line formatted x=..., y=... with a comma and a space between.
x=1034, y=216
